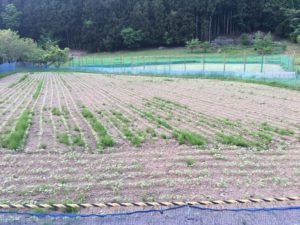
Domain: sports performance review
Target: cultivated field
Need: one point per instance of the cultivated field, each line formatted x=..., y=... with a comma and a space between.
x=94, y=138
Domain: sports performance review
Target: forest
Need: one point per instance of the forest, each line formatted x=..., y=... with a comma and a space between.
x=108, y=25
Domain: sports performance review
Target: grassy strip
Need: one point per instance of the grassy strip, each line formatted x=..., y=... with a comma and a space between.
x=130, y=136
x=134, y=140
x=16, y=138
x=19, y=81
x=38, y=90
x=161, y=122
x=105, y=140
x=187, y=137
x=169, y=102
x=237, y=140
x=121, y=117
x=281, y=131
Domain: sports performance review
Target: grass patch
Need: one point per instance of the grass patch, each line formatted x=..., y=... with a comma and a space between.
x=77, y=140
x=56, y=112
x=191, y=138
x=105, y=140
x=38, y=90
x=134, y=140
x=168, y=102
x=190, y=162
x=43, y=146
x=121, y=117
x=150, y=116
x=16, y=138
x=152, y=132
x=63, y=139
x=237, y=140
x=281, y=131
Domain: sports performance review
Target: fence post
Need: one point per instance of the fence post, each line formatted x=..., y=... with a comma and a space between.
x=169, y=64
x=203, y=60
x=245, y=60
x=262, y=64
x=224, y=69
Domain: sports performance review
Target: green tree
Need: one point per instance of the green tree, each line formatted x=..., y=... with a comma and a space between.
x=193, y=44
x=56, y=56
x=298, y=39
x=11, y=17
x=131, y=38
x=13, y=48
x=263, y=44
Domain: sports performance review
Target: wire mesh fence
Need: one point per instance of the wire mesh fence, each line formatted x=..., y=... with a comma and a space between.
x=272, y=67
x=187, y=215
x=246, y=66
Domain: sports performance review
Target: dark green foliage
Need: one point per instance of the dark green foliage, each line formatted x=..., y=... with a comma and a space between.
x=15, y=139
x=11, y=17
x=131, y=38
x=97, y=25
x=191, y=138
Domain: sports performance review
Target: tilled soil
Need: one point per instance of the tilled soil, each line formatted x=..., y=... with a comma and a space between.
x=160, y=168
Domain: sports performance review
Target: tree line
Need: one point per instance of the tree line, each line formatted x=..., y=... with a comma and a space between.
x=98, y=25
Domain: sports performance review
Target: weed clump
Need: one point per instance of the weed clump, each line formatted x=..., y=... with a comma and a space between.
x=105, y=140
x=237, y=140
x=16, y=138
x=187, y=137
